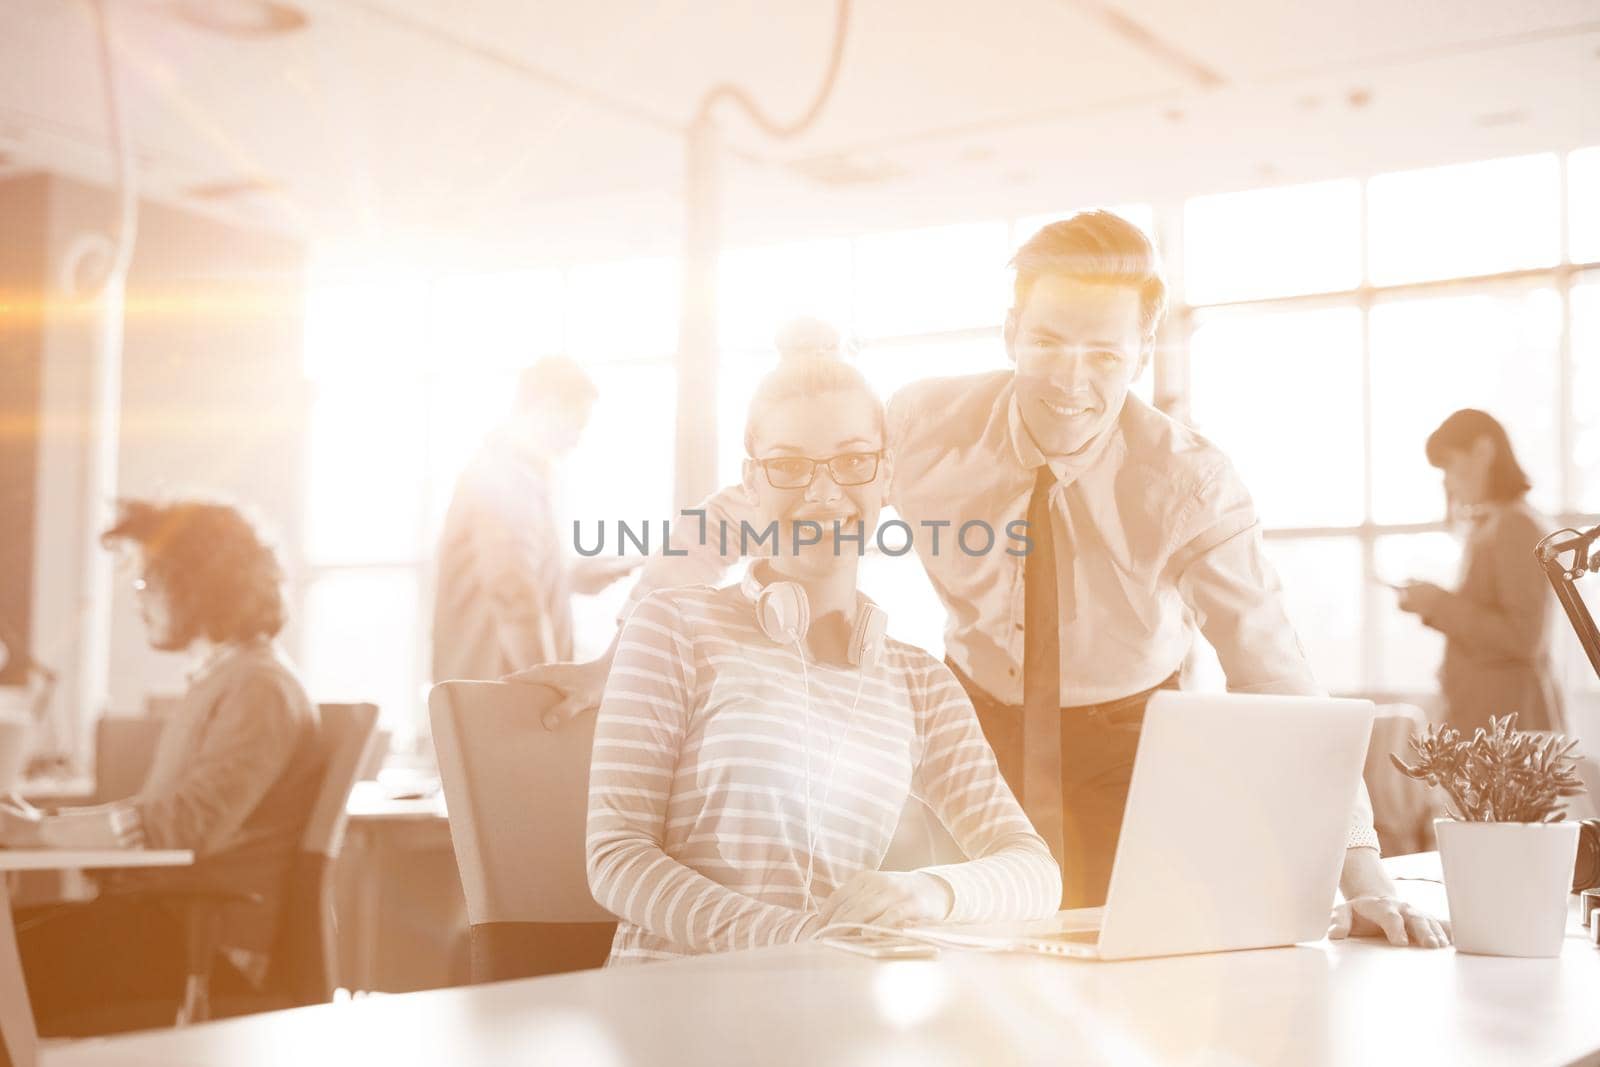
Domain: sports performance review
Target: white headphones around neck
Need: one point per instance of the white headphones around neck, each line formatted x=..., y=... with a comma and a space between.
x=784, y=615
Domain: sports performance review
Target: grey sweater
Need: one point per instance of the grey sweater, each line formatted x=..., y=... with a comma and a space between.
x=234, y=778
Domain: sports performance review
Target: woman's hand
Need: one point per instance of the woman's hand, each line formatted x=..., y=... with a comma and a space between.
x=889, y=898
x=579, y=684
x=1396, y=920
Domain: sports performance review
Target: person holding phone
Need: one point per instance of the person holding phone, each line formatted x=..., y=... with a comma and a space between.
x=1497, y=621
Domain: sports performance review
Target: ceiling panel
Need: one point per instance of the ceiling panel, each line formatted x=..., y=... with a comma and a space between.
x=539, y=130
x=1255, y=39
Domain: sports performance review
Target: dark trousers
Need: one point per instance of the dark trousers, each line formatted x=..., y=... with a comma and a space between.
x=108, y=964
x=1098, y=743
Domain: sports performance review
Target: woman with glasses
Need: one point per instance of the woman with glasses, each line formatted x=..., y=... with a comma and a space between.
x=756, y=744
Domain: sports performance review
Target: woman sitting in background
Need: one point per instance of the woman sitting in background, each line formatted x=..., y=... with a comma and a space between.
x=1497, y=622
x=233, y=778
x=756, y=744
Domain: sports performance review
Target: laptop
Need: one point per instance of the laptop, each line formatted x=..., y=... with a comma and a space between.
x=1233, y=836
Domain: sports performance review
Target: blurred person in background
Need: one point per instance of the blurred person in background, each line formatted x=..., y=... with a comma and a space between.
x=503, y=598
x=1497, y=621
x=232, y=780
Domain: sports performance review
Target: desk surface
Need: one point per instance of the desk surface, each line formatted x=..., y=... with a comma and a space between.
x=372, y=802
x=1354, y=1002
x=55, y=859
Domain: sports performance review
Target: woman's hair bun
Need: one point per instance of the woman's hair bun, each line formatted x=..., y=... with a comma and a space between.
x=809, y=338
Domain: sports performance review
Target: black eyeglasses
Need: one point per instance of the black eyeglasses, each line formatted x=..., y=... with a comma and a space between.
x=798, y=472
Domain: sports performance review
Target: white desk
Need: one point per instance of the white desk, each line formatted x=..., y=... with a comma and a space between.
x=18, y=1037
x=1355, y=1002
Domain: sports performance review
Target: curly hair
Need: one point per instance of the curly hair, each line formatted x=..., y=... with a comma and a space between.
x=221, y=578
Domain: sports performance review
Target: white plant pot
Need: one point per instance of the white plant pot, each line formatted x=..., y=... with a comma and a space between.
x=1508, y=883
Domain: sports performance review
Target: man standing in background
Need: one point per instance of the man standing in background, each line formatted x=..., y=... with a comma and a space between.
x=503, y=598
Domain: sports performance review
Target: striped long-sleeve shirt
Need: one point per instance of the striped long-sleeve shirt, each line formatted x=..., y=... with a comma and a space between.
x=699, y=829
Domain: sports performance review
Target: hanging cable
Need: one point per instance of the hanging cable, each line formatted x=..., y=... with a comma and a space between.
x=781, y=130
x=126, y=229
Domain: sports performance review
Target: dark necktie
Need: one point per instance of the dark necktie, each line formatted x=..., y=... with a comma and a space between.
x=1041, y=672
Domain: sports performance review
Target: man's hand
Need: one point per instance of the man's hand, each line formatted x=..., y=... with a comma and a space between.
x=592, y=574
x=889, y=898
x=1419, y=598
x=579, y=684
x=1401, y=923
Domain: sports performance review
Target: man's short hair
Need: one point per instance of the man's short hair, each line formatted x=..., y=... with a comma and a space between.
x=557, y=381
x=1099, y=248
x=221, y=578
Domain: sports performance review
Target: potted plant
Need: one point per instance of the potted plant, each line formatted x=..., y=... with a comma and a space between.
x=1506, y=852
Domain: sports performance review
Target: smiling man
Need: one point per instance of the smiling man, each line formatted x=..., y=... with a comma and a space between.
x=1140, y=531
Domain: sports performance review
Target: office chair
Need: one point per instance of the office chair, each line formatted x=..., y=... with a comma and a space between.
x=518, y=797
x=303, y=964
x=303, y=967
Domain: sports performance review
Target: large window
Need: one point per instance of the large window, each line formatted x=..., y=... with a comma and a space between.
x=1331, y=349
x=1320, y=332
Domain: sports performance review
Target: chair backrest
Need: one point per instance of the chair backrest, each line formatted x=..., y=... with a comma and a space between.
x=124, y=749
x=518, y=796
x=348, y=732
x=305, y=956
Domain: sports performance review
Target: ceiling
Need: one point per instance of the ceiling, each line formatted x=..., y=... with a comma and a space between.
x=508, y=131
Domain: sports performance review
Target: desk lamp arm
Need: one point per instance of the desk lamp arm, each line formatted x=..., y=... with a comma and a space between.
x=1563, y=577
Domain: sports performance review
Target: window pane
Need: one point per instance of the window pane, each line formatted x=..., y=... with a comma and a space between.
x=890, y=366
x=1430, y=357
x=901, y=587
x=1251, y=375
x=1583, y=206
x=924, y=281
x=497, y=321
x=1272, y=242
x=1409, y=652
x=1476, y=218
x=365, y=479
x=622, y=469
x=738, y=374
x=625, y=310
x=361, y=644
x=1585, y=403
x=377, y=328
x=762, y=288
x=1322, y=593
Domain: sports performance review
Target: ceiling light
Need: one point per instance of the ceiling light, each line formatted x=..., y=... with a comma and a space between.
x=242, y=18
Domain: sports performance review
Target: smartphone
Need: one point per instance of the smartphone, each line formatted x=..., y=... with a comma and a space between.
x=880, y=947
